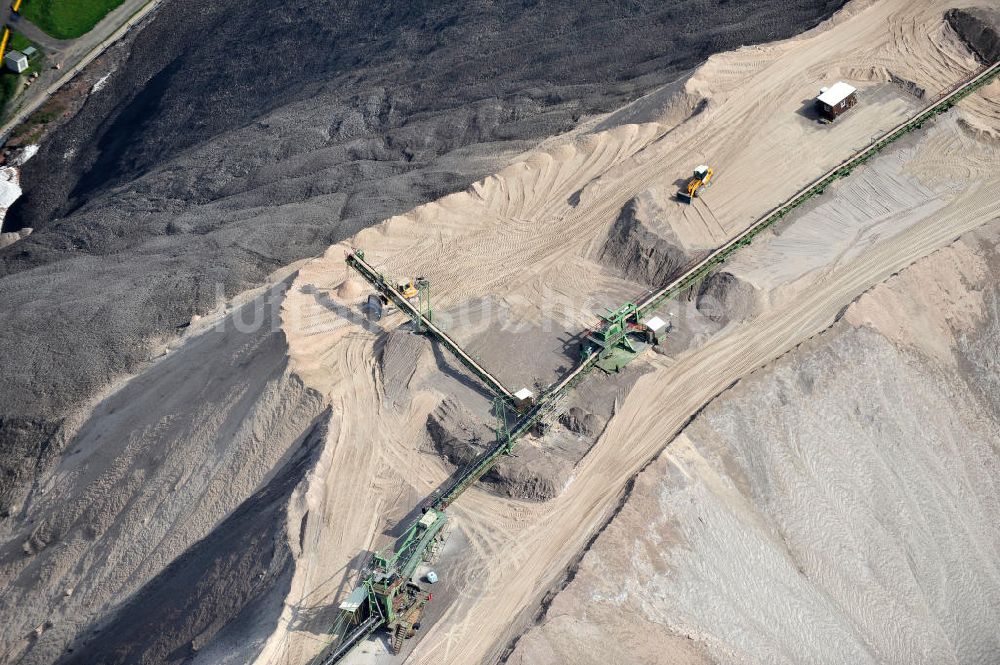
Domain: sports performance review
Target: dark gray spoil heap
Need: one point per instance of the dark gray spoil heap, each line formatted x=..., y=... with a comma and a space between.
x=232, y=139
x=638, y=251
x=979, y=28
x=723, y=297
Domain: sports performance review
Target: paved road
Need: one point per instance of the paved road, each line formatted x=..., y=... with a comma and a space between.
x=71, y=55
x=34, y=33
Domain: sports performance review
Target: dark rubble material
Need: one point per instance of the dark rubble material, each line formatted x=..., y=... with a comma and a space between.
x=228, y=143
x=528, y=474
x=640, y=252
x=723, y=297
x=578, y=421
x=979, y=28
x=243, y=566
x=541, y=464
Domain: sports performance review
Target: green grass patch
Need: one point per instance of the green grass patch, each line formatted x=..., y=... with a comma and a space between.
x=67, y=19
x=8, y=86
x=19, y=42
x=31, y=129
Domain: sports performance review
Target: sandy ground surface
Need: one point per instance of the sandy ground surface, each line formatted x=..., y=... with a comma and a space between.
x=834, y=507
x=182, y=170
x=525, y=241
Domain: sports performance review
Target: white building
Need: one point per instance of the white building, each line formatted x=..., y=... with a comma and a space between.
x=523, y=398
x=656, y=330
x=16, y=61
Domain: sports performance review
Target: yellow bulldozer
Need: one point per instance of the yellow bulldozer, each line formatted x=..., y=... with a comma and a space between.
x=407, y=288
x=702, y=178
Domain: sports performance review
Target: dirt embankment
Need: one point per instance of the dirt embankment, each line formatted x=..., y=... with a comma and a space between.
x=215, y=603
x=723, y=297
x=642, y=247
x=836, y=507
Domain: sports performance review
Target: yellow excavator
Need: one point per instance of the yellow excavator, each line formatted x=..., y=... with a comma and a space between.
x=702, y=178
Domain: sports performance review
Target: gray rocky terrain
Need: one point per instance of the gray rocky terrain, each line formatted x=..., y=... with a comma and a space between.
x=859, y=474
x=228, y=142
x=979, y=27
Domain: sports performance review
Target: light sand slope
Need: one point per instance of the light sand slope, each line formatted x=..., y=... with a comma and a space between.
x=836, y=507
x=523, y=237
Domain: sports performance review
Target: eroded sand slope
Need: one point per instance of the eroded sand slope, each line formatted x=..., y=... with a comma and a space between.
x=149, y=481
x=837, y=506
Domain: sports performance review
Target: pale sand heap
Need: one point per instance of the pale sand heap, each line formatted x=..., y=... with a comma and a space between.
x=527, y=239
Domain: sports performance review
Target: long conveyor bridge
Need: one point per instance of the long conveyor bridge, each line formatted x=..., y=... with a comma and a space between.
x=391, y=571
x=424, y=321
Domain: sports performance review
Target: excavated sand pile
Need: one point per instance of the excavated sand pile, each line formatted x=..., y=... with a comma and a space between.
x=640, y=251
x=527, y=240
x=397, y=360
x=838, y=506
